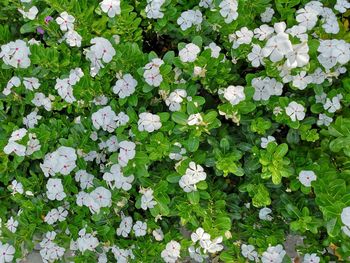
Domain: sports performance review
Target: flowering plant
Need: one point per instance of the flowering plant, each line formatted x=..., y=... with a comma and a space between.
x=158, y=130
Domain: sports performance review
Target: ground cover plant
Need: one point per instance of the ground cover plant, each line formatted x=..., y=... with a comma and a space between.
x=174, y=131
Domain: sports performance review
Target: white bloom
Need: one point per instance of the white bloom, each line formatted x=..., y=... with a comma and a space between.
x=175, y=98
x=215, y=50
x=153, y=9
x=16, y=54
x=228, y=9
x=152, y=74
x=341, y=6
x=264, y=214
x=248, y=251
x=6, y=252
x=262, y=88
x=85, y=179
x=332, y=105
x=41, y=100
x=299, y=32
x=73, y=38
x=274, y=254
x=263, y=32
x=12, y=225
x=299, y=57
x=125, y=226
x=311, y=258
x=158, y=234
x=125, y=86
x=234, y=94
x=31, y=83
x=51, y=217
x=33, y=145
x=267, y=15
x=301, y=80
x=140, y=228
x=147, y=199
x=100, y=100
x=194, y=174
x=307, y=17
x=266, y=141
x=111, y=7
x=18, y=135
x=323, y=119
x=190, y=18
x=102, y=196
x=105, y=118
x=195, y=119
x=307, y=177
x=256, y=56
x=14, y=147
x=200, y=235
x=112, y=144
x=243, y=36
x=17, y=187
x=86, y=241
x=318, y=76
x=65, y=21
x=30, y=14
x=13, y=82
x=213, y=246
x=171, y=252
x=127, y=152
x=295, y=111
x=189, y=53
x=345, y=216
x=149, y=122
x=116, y=179
x=55, y=189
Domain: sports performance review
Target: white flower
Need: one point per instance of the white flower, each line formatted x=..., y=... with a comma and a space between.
x=158, y=234
x=171, y=252
x=330, y=24
x=127, y=152
x=323, y=119
x=248, y=251
x=86, y=241
x=41, y=100
x=85, y=179
x=14, y=147
x=307, y=17
x=299, y=57
x=73, y=38
x=105, y=118
x=266, y=141
x=147, y=199
x=215, y=50
x=153, y=9
x=152, y=74
x=190, y=18
x=200, y=235
x=311, y=258
x=149, y=122
x=102, y=196
x=301, y=80
x=55, y=189
x=51, y=217
x=189, y=53
x=6, y=252
x=65, y=21
x=17, y=187
x=140, y=228
x=263, y=32
x=195, y=119
x=111, y=7
x=264, y=214
x=17, y=135
x=13, y=82
x=332, y=105
x=234, y=94
x=307, y=177
x=267, y=15
x=175, y=99
x=274, y=254
x=341, y=6
x=100, y=100
x=262, y=88
x=194, y=174
x=243, y=36
x=256, y=56
x=345, y=216
x=31, y=83
x=295, y=111
x=12, y=225
x=125, y=226
x=228, y=10
x=299, y=32
x=116, y=179
x=213, y=246
x=30, y=14
x=333, y=51
x=16, y=54
x=33, y=145
x=206, y=3
x=125, y=86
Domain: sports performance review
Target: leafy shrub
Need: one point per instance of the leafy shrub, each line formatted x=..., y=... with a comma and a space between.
x=158, y=130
